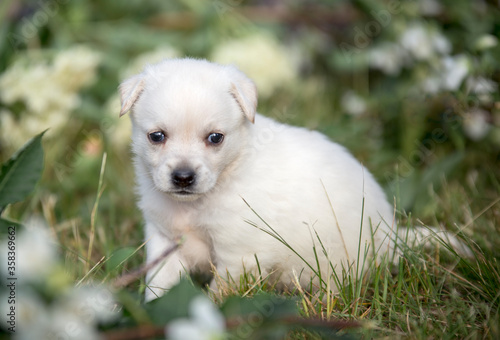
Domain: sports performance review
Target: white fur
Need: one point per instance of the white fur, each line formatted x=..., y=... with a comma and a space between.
x=296, y=180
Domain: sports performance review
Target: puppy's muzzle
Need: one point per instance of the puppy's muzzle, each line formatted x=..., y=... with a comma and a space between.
x=183, y=178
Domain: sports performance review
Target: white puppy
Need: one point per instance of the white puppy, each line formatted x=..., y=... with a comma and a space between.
x=212, y=170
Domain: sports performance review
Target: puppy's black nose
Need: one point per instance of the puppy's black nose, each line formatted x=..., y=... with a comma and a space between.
x=183, y=177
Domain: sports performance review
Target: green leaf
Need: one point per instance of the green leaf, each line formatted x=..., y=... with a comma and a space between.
x=174, y=304
x=118, y=257
x=19, y=175
x=434, y=174
x=263, y=316
x=268, y=306
x=414, y=188
x=442, y=168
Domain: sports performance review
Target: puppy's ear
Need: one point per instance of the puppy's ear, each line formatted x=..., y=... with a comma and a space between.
x=130, y=90
x=245, y=93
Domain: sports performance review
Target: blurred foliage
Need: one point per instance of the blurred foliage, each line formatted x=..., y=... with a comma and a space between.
x=410, y=87
x=381, y=77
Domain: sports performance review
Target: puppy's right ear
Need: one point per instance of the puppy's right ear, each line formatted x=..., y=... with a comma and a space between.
x=244, y=92
x=130, y=90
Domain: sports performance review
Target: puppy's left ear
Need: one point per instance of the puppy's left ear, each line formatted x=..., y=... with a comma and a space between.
x=245, y=93
x=130, y=90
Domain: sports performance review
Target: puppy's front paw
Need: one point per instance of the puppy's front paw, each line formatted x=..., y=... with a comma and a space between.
x=153, y=292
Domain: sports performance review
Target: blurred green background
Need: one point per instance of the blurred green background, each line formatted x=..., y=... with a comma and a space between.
x=410, y=87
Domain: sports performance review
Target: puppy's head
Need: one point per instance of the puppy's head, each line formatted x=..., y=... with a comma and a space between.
x=190, y=122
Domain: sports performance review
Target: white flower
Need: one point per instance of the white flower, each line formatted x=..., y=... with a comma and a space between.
x=476, y=125
x=35, y=253
x=91, y=304
x=66, y=326
x=268, y=63
x=205, y=322
x=45, y=87
x=32, y=84
x=10, y=127
x=49, y=91
x=431, y=85
x=15, y=131
x=481, y=85
x=37, y=320
x=75, y=68
x=29, y=309
x=353, y=104
x=441, y=44
x=422, y=43
x=74, y=315
x=486, y=41
x=447, y=74
x=416, y=41
x=455, y=70
x=390, y=58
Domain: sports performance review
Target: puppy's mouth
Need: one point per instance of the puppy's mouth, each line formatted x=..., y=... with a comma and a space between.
x=184, y=195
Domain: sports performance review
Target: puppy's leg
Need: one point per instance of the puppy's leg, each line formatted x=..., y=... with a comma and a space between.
x=193, y=255
x=168, y=272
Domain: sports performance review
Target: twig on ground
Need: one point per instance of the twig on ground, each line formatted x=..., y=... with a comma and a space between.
x=128, y=278
x=149, y=331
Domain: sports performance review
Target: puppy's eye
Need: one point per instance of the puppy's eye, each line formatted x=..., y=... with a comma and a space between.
x=215, y=138
x=157, y=137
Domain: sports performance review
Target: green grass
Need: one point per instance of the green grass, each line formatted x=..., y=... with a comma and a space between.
x=426, y=294
x=88, y=199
